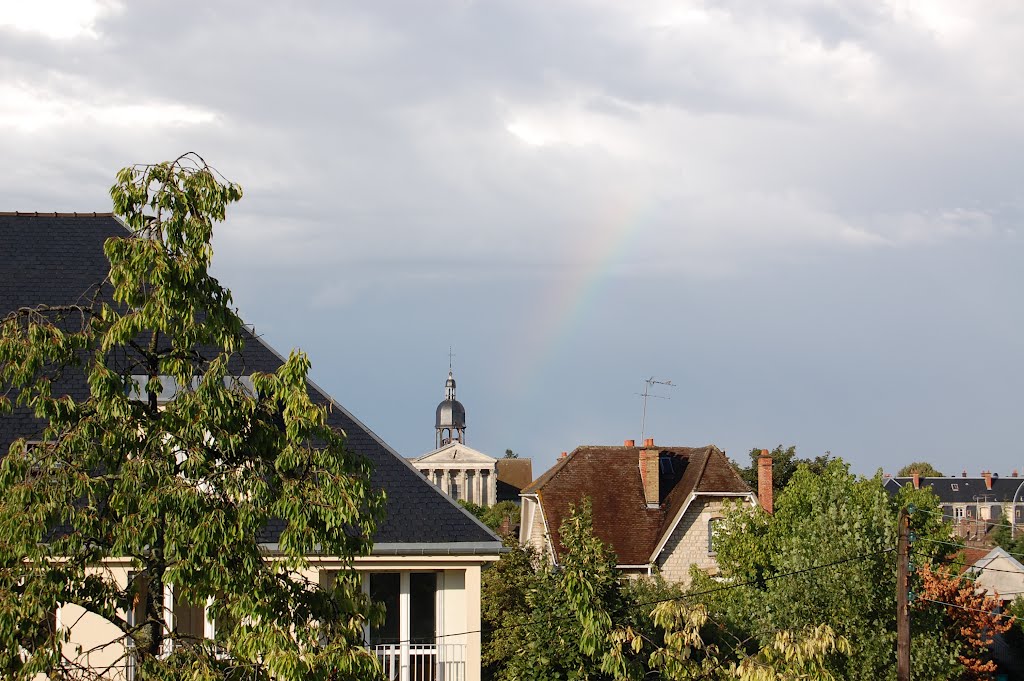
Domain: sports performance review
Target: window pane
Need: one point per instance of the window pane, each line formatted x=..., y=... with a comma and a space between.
x=422, y=603
x=385, y=588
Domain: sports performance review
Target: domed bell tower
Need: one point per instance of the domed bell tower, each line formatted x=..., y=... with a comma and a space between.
x=450, y=423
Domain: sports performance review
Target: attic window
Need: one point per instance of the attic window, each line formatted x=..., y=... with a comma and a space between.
x=666, y=465
x=171, y=388
x=955, y=487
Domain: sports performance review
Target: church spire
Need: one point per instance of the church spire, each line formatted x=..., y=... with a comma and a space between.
x=450, y=421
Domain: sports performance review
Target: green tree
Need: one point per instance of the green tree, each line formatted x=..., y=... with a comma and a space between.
x=922, y=468
x=582, y=620
x=509, y=454
x=504, y=607
x=177, y=492
x=784, y=464
x=832, y=517
x=563, y=631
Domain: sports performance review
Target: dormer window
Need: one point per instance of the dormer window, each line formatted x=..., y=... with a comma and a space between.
x=171, y=389
x=955, y=487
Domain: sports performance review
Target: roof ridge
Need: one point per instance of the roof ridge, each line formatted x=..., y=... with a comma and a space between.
x=54, y=214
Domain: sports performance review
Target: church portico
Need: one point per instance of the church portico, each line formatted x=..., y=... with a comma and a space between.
x=460, y=471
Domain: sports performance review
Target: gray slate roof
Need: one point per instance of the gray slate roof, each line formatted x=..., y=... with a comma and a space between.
x=54, y=258
x=960, y=490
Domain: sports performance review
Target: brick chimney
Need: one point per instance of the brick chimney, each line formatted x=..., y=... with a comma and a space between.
x=649, y=470
x=988, y=479
x=764, y=481
x=917, y=479
x=1015, y=474
x=629, y=443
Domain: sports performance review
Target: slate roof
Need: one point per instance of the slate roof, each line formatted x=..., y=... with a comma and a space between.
x=954, y=490
x=54, y=258
x=610, y=477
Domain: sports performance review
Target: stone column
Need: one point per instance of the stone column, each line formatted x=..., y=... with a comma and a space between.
x=480, y=487
x=462, y=484
x=492, y=482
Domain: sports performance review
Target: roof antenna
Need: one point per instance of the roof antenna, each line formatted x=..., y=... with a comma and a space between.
x=450, y=356
x=650, y=382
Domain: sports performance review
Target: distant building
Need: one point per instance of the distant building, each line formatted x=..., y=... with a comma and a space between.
x=999, y=573
x=655, y=506
x=973, y=505
x=465, y=473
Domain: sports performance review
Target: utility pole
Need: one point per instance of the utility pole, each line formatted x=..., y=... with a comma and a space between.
x=903, y=597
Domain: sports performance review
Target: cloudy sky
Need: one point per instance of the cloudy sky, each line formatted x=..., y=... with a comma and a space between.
x=806, y=215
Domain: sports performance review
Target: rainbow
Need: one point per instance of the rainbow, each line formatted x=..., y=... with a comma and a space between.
x=575, y=295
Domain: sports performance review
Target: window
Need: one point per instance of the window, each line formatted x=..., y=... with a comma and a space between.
x=958, y=512
x=406, y=641
x=713, y=527
x=409, y=599
x=954, y=486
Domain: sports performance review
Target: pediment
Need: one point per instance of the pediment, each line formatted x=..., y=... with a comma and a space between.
x=454, y=453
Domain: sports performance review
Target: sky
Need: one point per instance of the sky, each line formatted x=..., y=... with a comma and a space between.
x=805, y=215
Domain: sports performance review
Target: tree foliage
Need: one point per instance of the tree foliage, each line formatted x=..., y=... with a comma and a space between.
x=847, y=523
x=177, y=492
x=922, y=468
x=583, y=620
x=503, y=513
x=974, y=619
x=784, y=464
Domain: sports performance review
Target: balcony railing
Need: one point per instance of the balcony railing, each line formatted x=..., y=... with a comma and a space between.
x=422, y=662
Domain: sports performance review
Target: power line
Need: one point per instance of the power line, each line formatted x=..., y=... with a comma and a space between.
x=961, y=546
x=990, y=613
x=752, y=582
x=971, y=568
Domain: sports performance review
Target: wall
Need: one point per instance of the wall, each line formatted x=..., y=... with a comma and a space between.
x=688, y=543
x=460, y=604
x=95, y=641
x=532, y=531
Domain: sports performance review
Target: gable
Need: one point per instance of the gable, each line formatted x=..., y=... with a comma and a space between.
x=54, y=258
x=610, y=478
x=454, y=453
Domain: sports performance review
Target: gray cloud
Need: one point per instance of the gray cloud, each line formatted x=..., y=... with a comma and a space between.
x=521, y=178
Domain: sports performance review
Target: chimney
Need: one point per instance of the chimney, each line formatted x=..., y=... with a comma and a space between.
x=988, y=479
x=964, y=474
x=1015, y=474
x=649, y=442
x=564, y=454
x=764, y=481
x=917, y=479
x=629, y=443
x=649, y=470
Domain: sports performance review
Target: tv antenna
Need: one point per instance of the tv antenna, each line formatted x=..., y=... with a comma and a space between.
x=649, y=383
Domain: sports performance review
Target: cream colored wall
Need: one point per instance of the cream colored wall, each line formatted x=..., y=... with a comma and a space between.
x=95, y=641
x=1003, y=577
x=532, y=531
x=101, y=646
x=688, y=543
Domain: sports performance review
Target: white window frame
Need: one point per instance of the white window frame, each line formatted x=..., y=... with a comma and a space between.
x=404, y=621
